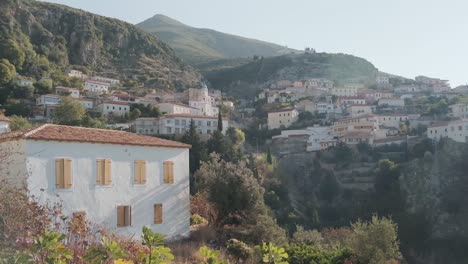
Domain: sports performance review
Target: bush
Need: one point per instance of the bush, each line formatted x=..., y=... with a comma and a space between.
x=309, y=254
x=238, y=249
x=196, y=219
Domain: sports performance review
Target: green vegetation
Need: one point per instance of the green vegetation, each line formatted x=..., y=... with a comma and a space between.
x=243, y=80
x=197, y=45
x=73, y=37
x=19, y=123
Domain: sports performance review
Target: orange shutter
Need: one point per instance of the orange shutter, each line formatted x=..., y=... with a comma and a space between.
x=67, y=173
x=171, y=172
x=59, y=173
x=158, y=214
x=128, y=215
x=107, y=172
x=142, y=172
x=120, y=216
x=166, y=172
x=99, y=171
x=137, y=171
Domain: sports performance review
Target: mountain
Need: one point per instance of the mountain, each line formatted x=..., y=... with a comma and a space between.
x=200, y=45
x=245, y=80
x=42, y=39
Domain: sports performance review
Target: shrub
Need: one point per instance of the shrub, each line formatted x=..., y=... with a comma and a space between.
x=309, y=254
x=196, y=219
x=271, y=254
x=238, y=249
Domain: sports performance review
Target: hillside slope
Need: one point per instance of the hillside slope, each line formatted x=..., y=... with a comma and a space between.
x=199, y=45
x=245, y=79
x=51, y=37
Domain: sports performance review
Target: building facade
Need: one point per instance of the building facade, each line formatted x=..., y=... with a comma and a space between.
x=113, y=108
x=120, y=180
x=282, y=118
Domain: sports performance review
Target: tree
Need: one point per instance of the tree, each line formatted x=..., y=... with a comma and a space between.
x=271, y=254
x=7, y=71
x=11, y=51
x=376, y=241
x=134, y=114
x=69, y=112
x=388, y=196
x=19, y=123
x=198, y=150
x=220, y=122
x=236, y=136
x=269, y=158
x=231, y=187
x=157, y=252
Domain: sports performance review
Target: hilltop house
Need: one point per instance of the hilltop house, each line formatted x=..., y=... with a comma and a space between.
x=67, y=91
x=120, y=180
x=113, y=108
x=455, y=130
x=178, y=124
x=75, y=74
x=177, y=108
x=110, y=81
x=96, y=88
x=282, y=118
x=23, y=82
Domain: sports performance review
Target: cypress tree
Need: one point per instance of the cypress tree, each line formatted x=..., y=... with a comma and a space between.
x=220, y=122
x=269, y=159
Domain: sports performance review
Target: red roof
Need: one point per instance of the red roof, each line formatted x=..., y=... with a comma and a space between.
x=49, y=132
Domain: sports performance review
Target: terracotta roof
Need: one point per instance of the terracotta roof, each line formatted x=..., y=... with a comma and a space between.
x=4, y=118
x=49, y=132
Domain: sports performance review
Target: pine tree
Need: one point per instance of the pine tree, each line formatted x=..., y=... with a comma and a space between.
x=220, y=122
x=269, y=159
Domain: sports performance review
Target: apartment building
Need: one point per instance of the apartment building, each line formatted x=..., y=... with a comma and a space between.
x=177, y=108
x=178, y=124
x=282, y=118
x=48, y=99
x=345, y=91
x=120, y=180
x=113, y=108
x=96, y=87
x=368, y=123
x=459, y=110
x=455, y=130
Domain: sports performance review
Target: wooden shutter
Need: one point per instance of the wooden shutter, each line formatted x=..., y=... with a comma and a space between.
x=99, y=171
x=143, y=172
x=107, y=172
x=120, y=216
x=67, y=173
x=168, y=167
x=137, y=171
x=128, y=215
x=59, y=164
x=158, y=214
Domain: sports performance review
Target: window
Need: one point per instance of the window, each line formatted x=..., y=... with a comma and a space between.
x=199, y=123
x=208, y=131
x=107, y=107
x=184, y=122
x=168, y=172
x=113, y=108
x=140, y=171
x=208, y=123
x=177, y=121
x=63, y=177
x=158, y=214
x=169, y=130
x=177, y=130
x=124, y=215
x=103, y=172
x=215, y=123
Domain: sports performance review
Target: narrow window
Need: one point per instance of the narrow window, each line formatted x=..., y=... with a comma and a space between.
x=103, y=172
x=140, y=172
x=158, y=214
x=168, y=172
x=63, y=177
x=124, y=215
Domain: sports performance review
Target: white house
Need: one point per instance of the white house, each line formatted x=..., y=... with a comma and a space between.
x=360, y=110
x=455, y=130
x=177, y=108
x=114, y=108
x=75, y=74
x=178, y=124
x=120, y=180
x=459, y=110
x=86, y=103
x=48, y=99
x=111, y=81
x=96, y=87
x=393, y=120
x=345, y=91
x=122, y=97
x=393, y=102
x=4, y=124
x=73, y=92
x=382, y=79
x=284, y=117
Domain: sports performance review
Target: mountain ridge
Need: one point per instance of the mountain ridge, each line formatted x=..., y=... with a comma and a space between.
x=200, y=45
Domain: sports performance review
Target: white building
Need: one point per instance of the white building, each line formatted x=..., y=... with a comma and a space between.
x=201, y=100
x=368, y=123
x=382, y=79
x=176, y=108
x=114, y=108
x=360, y=110
x=393, y=120
x=309, y=139
x=455, y=130
x=96, y=87
x=75, y=74
x=345, y=91
x=73, y=92
x=393, y=102
x=48, y=99
x=4, y=124
x=86, y=103
x=282, y=118
x=459, y=110
x=112, y=82
x=120, y=180
x=122, y=97
x=178, y=124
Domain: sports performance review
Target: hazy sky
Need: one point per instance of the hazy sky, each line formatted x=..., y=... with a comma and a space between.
x=404, y=37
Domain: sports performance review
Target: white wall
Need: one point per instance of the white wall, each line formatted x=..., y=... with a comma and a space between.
x=100, y=202
x=4, y=127
x=12, y=160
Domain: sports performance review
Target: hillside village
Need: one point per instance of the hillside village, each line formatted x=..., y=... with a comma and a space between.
x=126, y=154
